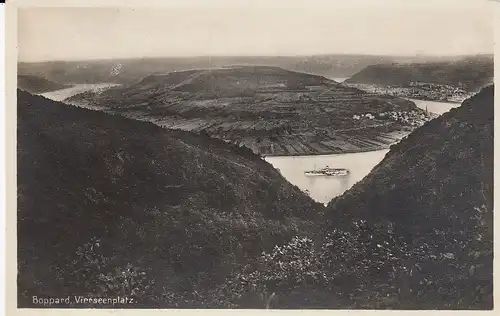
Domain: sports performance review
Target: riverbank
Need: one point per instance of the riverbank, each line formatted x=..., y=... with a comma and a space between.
x=357, y=141
x=439, y=101
x=357, y=151
x=268, y=138
x=366, y=139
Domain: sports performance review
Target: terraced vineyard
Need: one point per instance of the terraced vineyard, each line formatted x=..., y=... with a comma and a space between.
x=271, y=110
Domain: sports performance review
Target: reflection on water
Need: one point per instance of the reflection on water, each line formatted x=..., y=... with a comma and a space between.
x=434, y=106
x=60, y=95
x=323, y=188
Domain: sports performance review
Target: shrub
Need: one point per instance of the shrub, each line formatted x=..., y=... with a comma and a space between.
x=103, y=275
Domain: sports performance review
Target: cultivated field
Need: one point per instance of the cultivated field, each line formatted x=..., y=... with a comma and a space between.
x=267, y=109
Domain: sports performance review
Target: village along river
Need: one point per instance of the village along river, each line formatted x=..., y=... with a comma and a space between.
x=320, y=188
x=324, y=188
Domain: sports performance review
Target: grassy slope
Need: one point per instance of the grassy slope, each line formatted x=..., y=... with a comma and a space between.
x=256, y=106
x=212, y=83
x=34, y=84
x=182, y=207
x=473, y=73
x=230, y=82
x=416, y=233
x=241, y=81
x=432, y=187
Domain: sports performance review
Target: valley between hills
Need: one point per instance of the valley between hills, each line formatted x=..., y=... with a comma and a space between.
x=315, y=156
x=194, y=222
x=183, y=205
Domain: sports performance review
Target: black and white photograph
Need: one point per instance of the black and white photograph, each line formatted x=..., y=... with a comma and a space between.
x=302, y=155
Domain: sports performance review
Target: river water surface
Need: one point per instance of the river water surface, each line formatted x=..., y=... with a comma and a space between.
x=60, y=95
x=322, y=188
x=434, y=106
x=340, y=79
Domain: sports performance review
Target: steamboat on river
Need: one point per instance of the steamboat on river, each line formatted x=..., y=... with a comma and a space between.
x=327, y=171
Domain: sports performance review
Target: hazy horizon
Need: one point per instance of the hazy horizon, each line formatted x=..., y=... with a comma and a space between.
x=245, y=56
x=87, y=33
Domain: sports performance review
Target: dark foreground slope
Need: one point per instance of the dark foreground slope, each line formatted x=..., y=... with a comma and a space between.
x=34, y=84
x=469, y=73
x=110, y=206
x=416, y=233
x=433, y=192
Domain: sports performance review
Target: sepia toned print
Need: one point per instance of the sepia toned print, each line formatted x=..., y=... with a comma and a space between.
x=333, y=156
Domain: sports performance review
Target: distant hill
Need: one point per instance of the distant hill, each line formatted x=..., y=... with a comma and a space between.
x=124, y=71
x=231, y=82
x=110, y=206
x=435, y=191
x=271, y=110
x=469, y=73
x=34, y=84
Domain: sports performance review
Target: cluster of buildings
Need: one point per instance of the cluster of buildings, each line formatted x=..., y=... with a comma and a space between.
x=366, y=115
x=439, y=92
x=422, y=91
x=412, y=118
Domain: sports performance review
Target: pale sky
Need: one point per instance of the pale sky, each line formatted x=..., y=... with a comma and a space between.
x=101, y=33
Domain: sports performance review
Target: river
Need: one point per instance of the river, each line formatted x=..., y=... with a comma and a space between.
x=60, y=95
x=322, y=188
x=435, y=106
x=340, y=79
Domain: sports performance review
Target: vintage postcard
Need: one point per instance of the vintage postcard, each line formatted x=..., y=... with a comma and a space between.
x=283, y=155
